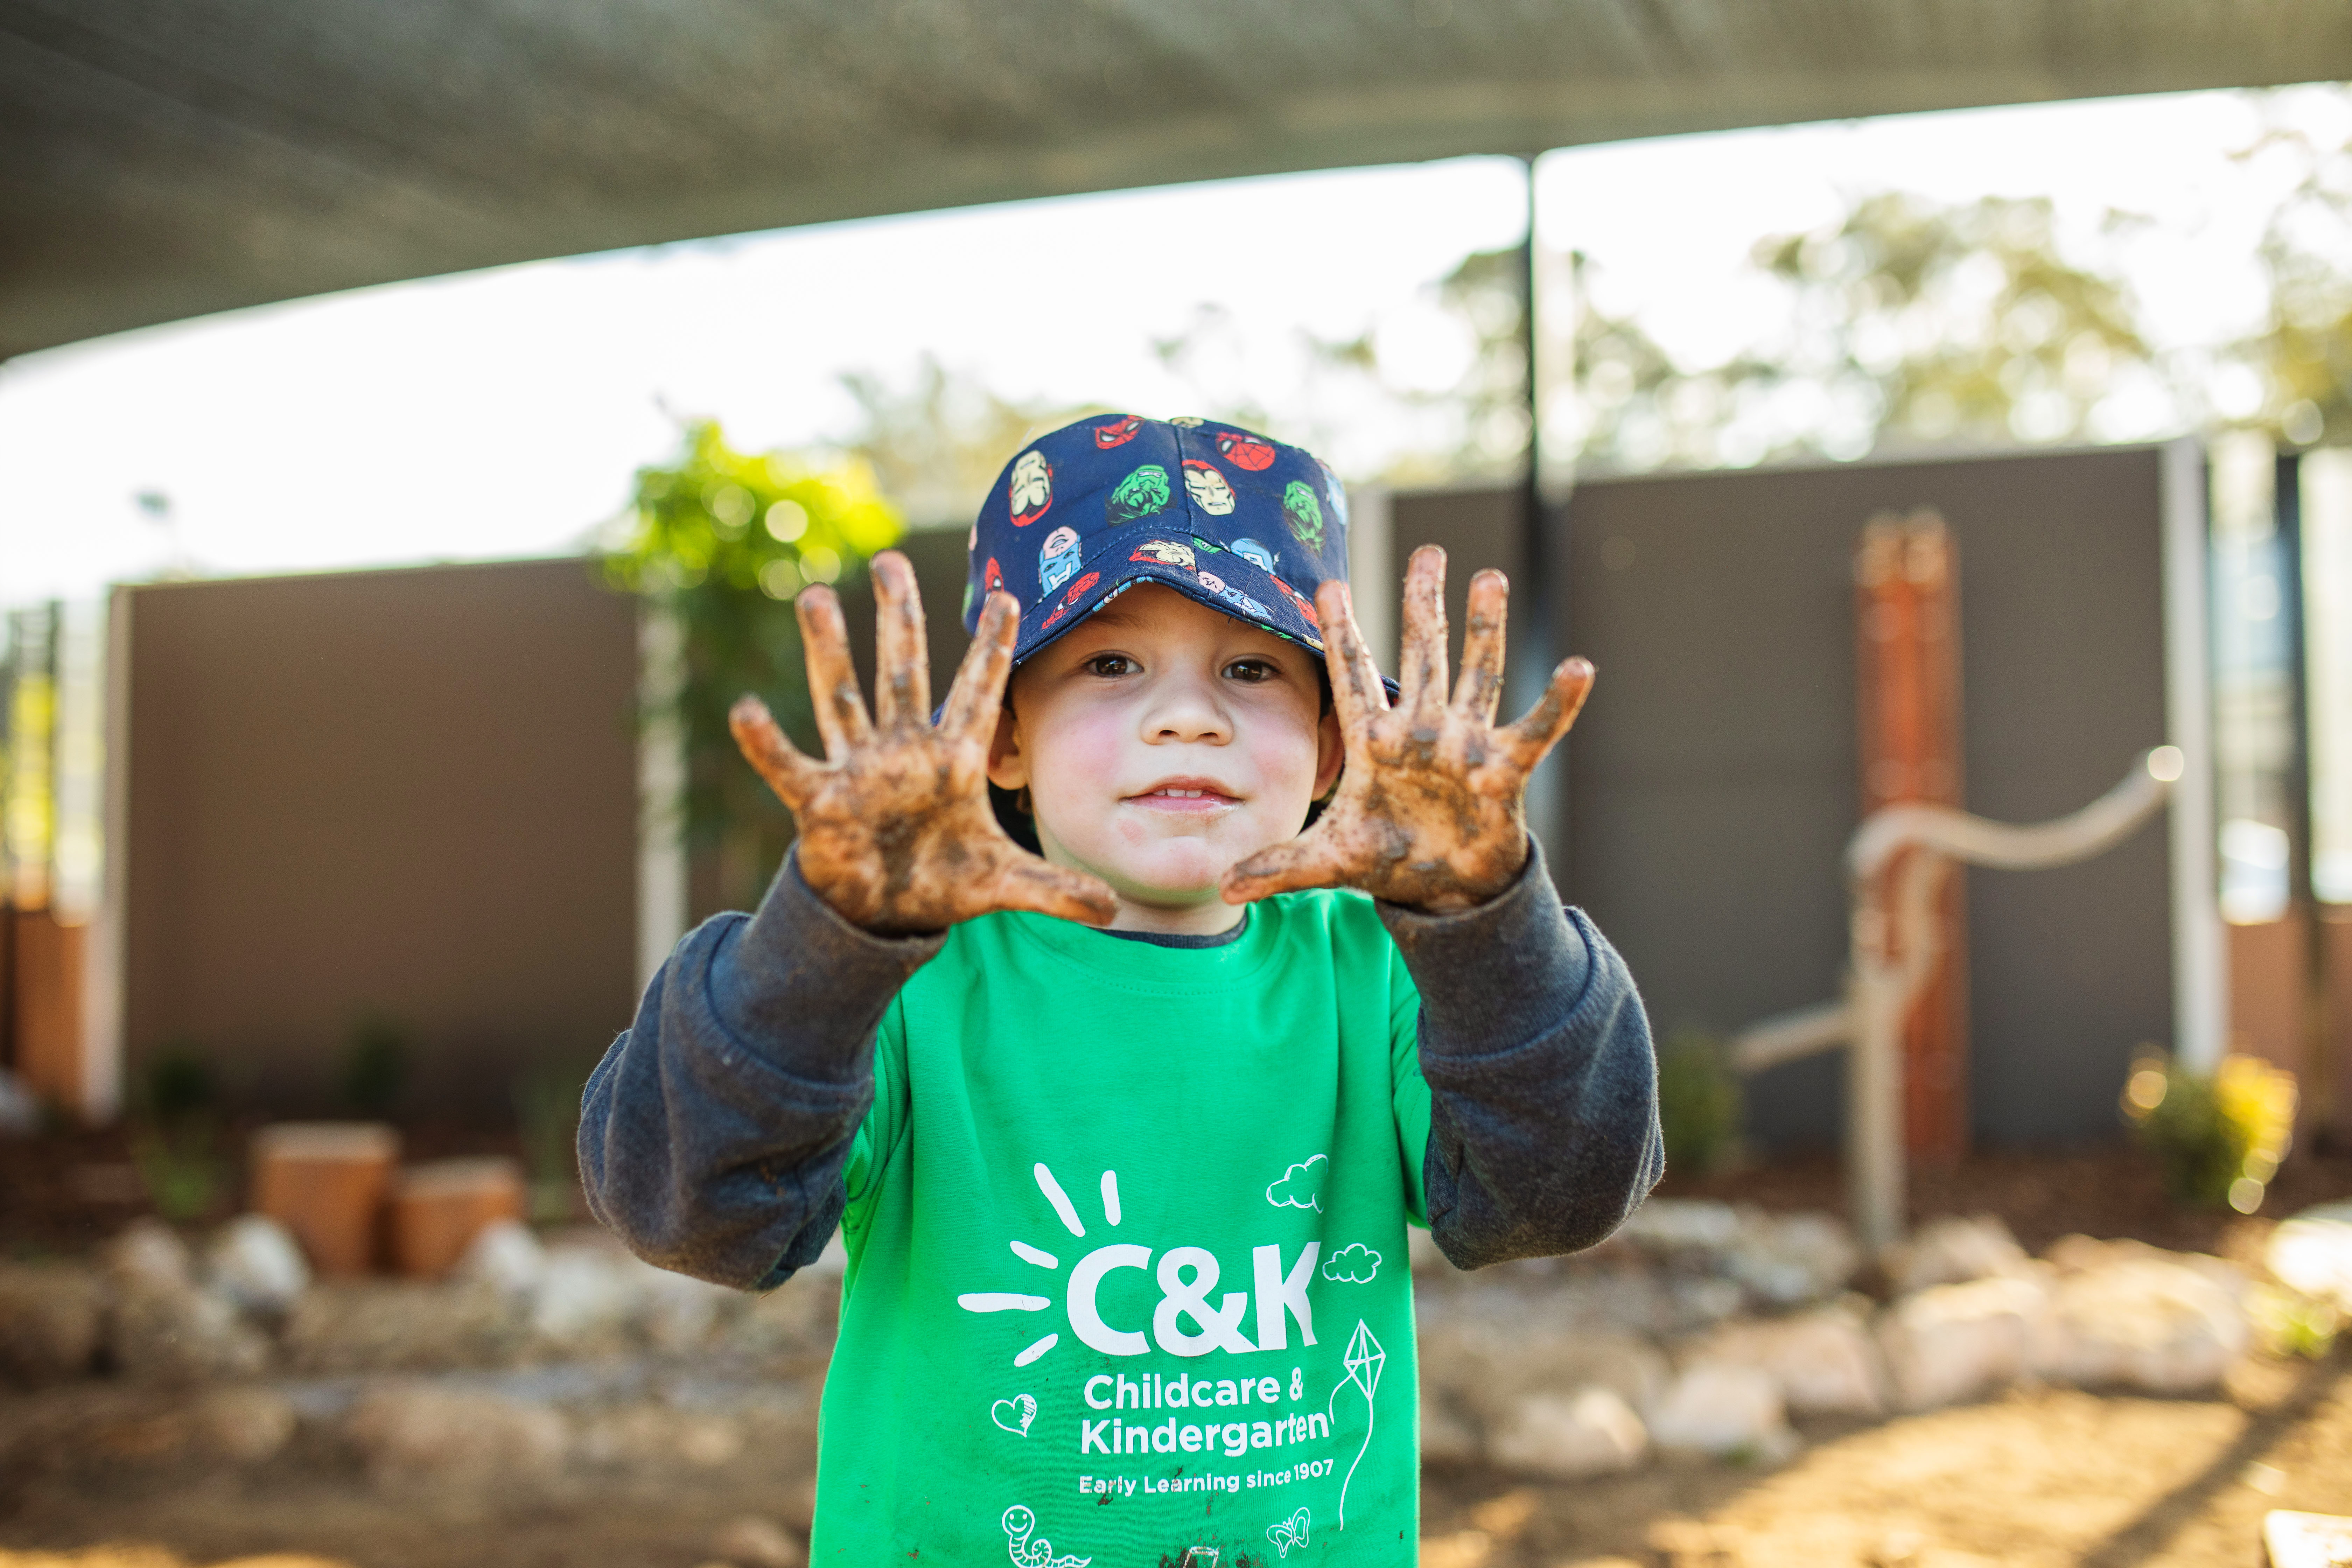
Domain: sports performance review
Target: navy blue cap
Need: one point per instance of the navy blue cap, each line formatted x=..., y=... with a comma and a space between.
x=1234, y=520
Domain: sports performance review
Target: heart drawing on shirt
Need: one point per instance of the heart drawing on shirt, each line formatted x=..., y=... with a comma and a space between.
x=1014, y=1414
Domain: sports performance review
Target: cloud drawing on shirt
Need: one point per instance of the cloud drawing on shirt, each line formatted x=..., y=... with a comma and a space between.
x=1301, y=1186
x=1354, y=1264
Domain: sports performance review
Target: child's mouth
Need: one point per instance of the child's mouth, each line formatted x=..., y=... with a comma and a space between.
x=1184, y=796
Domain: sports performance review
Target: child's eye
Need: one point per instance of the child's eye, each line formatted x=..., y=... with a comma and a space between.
x=1251, y=671
x=1110, y=666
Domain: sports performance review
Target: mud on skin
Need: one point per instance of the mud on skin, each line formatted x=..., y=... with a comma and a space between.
x=896, y=831
x=1430, y=812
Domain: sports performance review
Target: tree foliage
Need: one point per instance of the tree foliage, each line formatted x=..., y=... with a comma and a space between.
x=720, y=541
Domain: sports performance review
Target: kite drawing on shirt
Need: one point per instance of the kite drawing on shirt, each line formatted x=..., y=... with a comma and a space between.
x=1364, y=1358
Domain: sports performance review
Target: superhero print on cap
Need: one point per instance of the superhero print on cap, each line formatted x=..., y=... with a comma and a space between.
x=1128, y=499
x=1030, y=493
x=1164, y=551
x=1057, y=561
x=1187, y=421
x=1246, y=451
x=1302, y=513
x=1207, y=488
x=1298, y=602
x=1256, y=554
x=1139, y=494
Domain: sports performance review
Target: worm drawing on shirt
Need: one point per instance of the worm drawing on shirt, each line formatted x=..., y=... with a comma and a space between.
x=1018, y=1522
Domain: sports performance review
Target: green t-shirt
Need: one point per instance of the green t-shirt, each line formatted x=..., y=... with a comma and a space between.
x=1127, y=1280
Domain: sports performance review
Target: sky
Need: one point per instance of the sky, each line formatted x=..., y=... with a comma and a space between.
x=502, y=413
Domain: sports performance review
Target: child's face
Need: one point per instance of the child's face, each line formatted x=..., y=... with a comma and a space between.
x=1156, y=694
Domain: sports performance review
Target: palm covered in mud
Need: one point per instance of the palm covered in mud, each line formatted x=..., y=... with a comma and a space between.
x=896, y=829
x=1429, y=811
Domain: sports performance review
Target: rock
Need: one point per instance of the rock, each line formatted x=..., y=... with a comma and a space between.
x=2154, y=1326
x=164, y=1326
x=2292, y=1539
x=401, y=1326
x=52, y=1321
x=755, y=1541
x=1951, y=1343
x=1953, y=1251
x=679, y=1313
x=1483, y=1362
x=20, y=1113
x=245, y=1425
x=1681, y=1224
x=1447, y=1437
x=409, y=1434
x=256, y=1264
x=800, y=1505
x=1787, y=1260
x=1725, y=1412
x=2081, y=1254
x=589, y=1289
x=1826, y=1361
x=506, y=1256
x=1593, y=1432
x=148, y=1255
x=2312, y=1254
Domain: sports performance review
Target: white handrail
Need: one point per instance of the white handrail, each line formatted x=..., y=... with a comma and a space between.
x=1880, y=990
x=2099, y=825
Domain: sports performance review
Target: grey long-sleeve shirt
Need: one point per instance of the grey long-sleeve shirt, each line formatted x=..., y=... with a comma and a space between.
x=714, y=1133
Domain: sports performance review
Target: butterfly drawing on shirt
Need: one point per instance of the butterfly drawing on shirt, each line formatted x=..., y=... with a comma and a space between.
x=1286, y=1533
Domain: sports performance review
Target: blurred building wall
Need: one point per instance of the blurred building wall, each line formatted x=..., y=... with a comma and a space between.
x=1711, y=783
x=408, y=795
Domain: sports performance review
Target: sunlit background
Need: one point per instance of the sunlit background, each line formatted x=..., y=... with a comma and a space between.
x=2108, y=271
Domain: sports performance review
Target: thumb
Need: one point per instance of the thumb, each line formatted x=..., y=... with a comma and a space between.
x=1307, y=861
x=1024, y=882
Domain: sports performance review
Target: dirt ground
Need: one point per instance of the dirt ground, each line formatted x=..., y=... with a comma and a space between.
x=2046, y=1477
x=2037, y=1477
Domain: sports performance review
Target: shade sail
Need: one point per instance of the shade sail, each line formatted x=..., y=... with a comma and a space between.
x=167, y=158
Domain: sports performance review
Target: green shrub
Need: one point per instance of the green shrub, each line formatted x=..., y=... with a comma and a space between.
x=375, y=1066
x=2218, y=1139
x=1699, y=1100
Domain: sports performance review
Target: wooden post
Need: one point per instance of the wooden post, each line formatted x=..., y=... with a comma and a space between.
x=1907, y=658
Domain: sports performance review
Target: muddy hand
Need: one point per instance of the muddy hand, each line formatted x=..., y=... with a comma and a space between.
x=1429, y=810
x=895, y=830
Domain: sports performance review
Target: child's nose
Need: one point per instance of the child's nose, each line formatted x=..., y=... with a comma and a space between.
x=1186, y=710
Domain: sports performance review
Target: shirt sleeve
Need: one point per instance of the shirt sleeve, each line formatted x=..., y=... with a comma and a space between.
x=1543, y=1086
x=1408, y=1091
x=715, y=1134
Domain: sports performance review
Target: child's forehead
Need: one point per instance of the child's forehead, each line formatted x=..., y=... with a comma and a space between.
x=1157, y=610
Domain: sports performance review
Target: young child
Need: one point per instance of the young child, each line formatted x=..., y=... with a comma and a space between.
x=1123, y=1136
